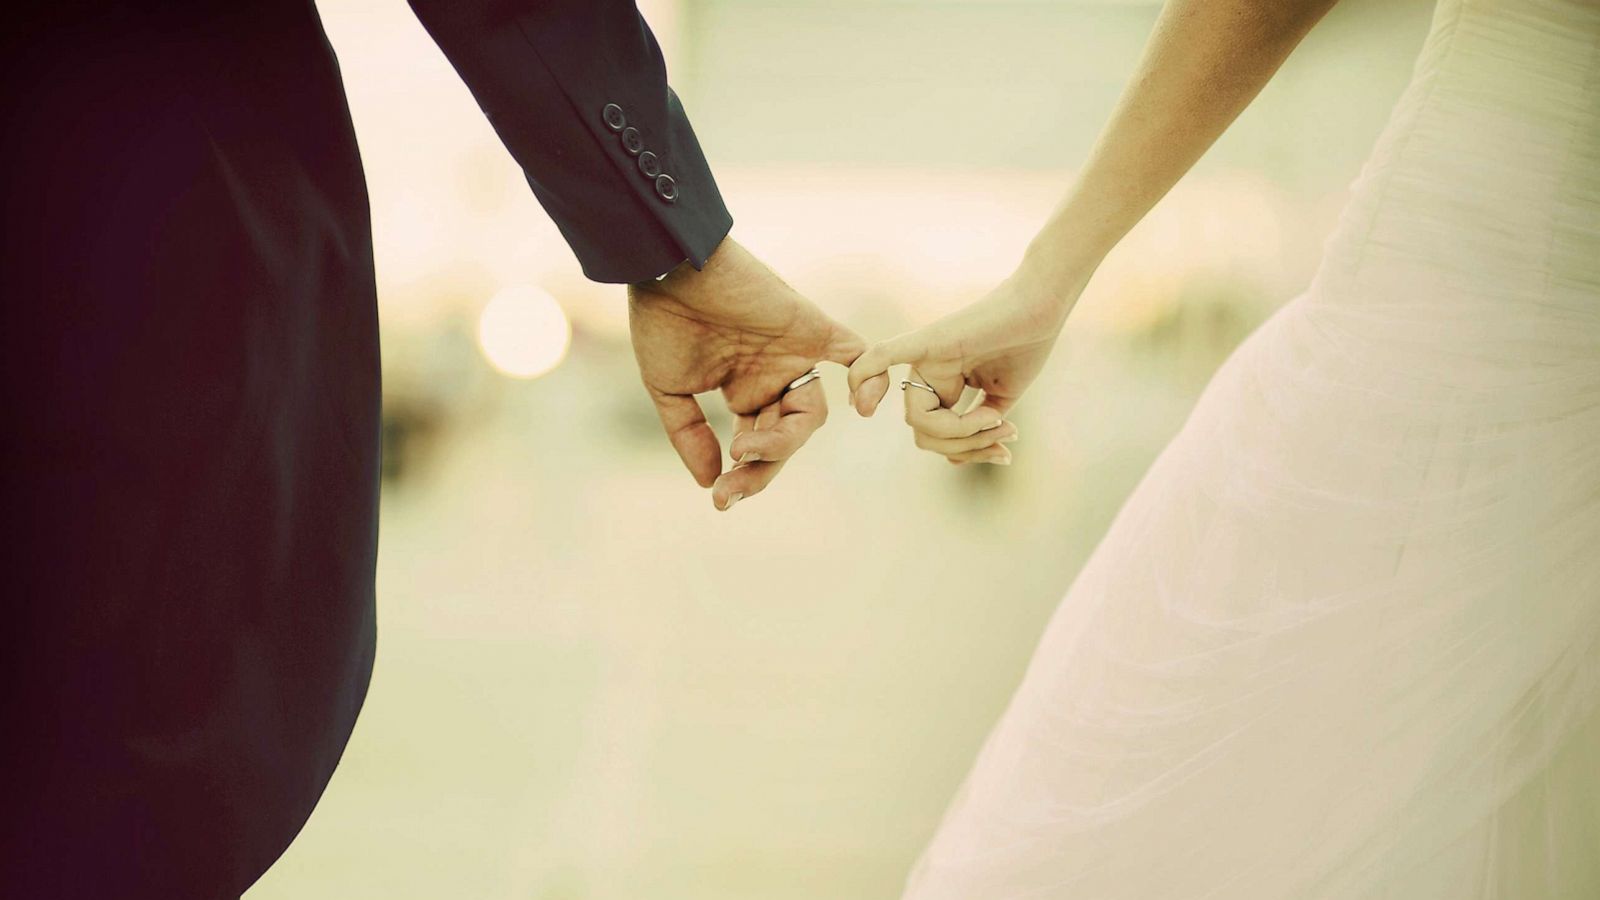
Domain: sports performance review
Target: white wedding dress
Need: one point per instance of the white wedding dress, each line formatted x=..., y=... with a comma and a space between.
x=1344, y=639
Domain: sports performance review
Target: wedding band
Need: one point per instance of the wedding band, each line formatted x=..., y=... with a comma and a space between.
x=803, y=380
x=908, y=383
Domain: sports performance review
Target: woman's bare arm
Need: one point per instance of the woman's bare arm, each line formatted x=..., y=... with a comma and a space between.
x=1204, y=63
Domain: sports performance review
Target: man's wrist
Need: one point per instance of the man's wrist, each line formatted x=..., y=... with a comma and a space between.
x=713, y=286
x=685, y=272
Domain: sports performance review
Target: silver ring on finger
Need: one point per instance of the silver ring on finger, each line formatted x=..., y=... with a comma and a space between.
x=908, y=383
x=803, y=380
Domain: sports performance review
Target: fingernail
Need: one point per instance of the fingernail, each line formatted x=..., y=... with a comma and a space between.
x=732, y=499
x=997, y=424
x=750, y=456
x=1000, y=460
x=1006, y=439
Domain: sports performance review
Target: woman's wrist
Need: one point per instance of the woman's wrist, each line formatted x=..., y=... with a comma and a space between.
x=1040, y=294
x=1054, y=277
x=1065, y=254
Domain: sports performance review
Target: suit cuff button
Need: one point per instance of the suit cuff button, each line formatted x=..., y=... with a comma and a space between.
x=666, y=188
x=649, y=164
x=631, y=141
x=613, y=117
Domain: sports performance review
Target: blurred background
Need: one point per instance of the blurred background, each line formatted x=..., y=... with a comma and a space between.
x=592, y=686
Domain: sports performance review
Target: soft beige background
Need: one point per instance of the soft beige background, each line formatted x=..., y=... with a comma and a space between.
x=589, y=683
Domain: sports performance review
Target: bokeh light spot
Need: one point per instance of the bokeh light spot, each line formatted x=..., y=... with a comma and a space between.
x=524, y=332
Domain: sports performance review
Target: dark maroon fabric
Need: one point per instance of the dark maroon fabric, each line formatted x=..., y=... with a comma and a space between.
x=189, y=342
x=189, y=480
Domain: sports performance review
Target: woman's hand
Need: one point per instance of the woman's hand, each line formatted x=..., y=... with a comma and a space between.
x=1205, y=62
x=997, y=345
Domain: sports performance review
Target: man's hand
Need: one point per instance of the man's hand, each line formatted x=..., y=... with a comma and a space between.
x=736, y=326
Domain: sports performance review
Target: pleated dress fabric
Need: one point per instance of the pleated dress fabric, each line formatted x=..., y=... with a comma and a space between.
x=1343, y=641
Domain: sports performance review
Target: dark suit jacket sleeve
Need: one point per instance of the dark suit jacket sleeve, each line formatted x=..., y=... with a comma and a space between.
x=546, y=72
